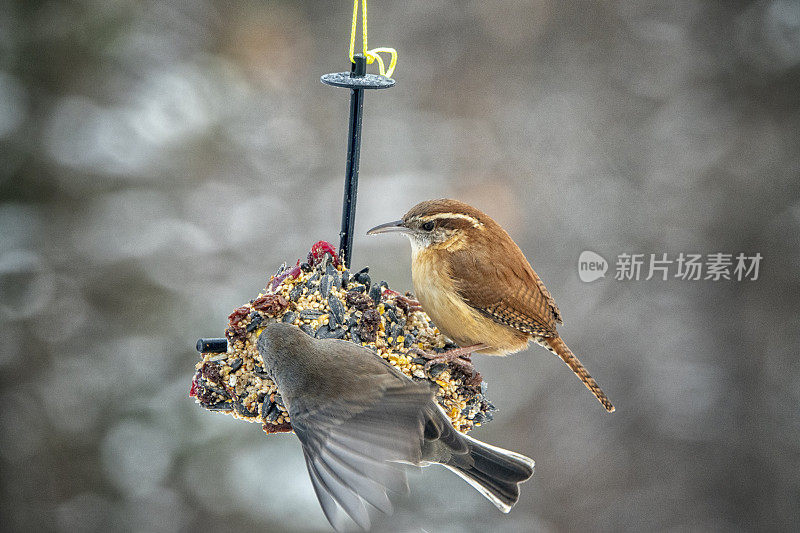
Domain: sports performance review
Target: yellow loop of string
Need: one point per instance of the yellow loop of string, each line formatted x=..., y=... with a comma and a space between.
x=371, y=55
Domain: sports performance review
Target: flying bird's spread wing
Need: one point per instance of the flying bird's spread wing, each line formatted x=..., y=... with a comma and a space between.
x=352, y=449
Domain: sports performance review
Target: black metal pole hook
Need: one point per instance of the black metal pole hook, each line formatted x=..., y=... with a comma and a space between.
x=356, y=80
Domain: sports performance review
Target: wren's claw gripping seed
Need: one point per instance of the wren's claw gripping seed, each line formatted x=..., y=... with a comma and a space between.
x=326, y=300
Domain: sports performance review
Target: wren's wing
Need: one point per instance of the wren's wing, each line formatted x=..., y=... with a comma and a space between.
x=352, y=448
x=515, y=297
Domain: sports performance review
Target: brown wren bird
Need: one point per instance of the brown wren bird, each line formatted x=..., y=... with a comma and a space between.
x=478, y=287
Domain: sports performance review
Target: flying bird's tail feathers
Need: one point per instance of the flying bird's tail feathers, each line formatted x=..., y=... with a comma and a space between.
x=494, y=472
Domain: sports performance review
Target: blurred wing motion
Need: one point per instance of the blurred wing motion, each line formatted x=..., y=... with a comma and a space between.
x=352, y=450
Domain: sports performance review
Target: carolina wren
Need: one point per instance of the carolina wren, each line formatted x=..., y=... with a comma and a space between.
x=478, y=287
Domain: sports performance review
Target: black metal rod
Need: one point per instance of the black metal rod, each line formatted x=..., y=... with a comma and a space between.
x=358, y=69
x=212, y=345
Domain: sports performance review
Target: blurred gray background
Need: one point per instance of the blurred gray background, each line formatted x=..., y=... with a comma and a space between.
x=159, y=158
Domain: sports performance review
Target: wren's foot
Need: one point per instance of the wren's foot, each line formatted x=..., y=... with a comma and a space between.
x=459, y=357
x=406, y=303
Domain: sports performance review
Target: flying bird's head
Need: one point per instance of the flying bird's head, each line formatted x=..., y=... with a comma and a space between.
x=277, y=342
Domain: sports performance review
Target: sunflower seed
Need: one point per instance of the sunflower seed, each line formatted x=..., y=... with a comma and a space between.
x=267, y=408
x=222, y=393
x=363, y=279
x=221, y=406
x=242, y=410
x=375, y=294
x=395, y=331
x=389, y=314
x=273, y=413
x=337, y=309
x=312, y=283
x=409, y=340
x=325, y=332
x=437, y=369
x=296, y=292
x=325, y=285
x=290, y=317
x=255, y=321
x=236, y=364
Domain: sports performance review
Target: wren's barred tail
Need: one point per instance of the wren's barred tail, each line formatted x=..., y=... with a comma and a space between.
x=560, y=348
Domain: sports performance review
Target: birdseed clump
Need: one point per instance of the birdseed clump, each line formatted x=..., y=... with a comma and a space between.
x=326, y=300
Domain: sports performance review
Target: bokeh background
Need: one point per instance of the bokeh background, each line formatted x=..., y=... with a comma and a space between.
x=158, y=158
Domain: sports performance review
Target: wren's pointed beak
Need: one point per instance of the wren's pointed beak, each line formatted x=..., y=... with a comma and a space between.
x=396, y=226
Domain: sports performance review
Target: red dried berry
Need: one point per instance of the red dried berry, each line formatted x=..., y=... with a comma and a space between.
x=290, y=273
x=359, y=301
x=389, y=293
x=285, y=427
x=238, y=314
x=193, y=388
x=272, y=304
x=368, y=325
x=206, y=396
x=408, y=305
x=321, y=248
x=210, y=371
x=234, y=333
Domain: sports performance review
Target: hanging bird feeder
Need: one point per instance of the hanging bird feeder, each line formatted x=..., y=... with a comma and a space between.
x=326, y=299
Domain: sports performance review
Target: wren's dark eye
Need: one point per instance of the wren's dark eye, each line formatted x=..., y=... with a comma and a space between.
x=428, y=226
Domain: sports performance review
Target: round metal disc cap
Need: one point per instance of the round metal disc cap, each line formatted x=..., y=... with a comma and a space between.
x=367, y=81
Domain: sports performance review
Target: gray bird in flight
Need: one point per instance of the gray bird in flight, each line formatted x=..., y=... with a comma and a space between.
x=358, y=418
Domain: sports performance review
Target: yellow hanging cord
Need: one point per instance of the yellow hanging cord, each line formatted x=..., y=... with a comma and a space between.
x=371, y=55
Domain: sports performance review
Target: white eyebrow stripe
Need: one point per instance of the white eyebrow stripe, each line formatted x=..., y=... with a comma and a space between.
x=439, y=216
